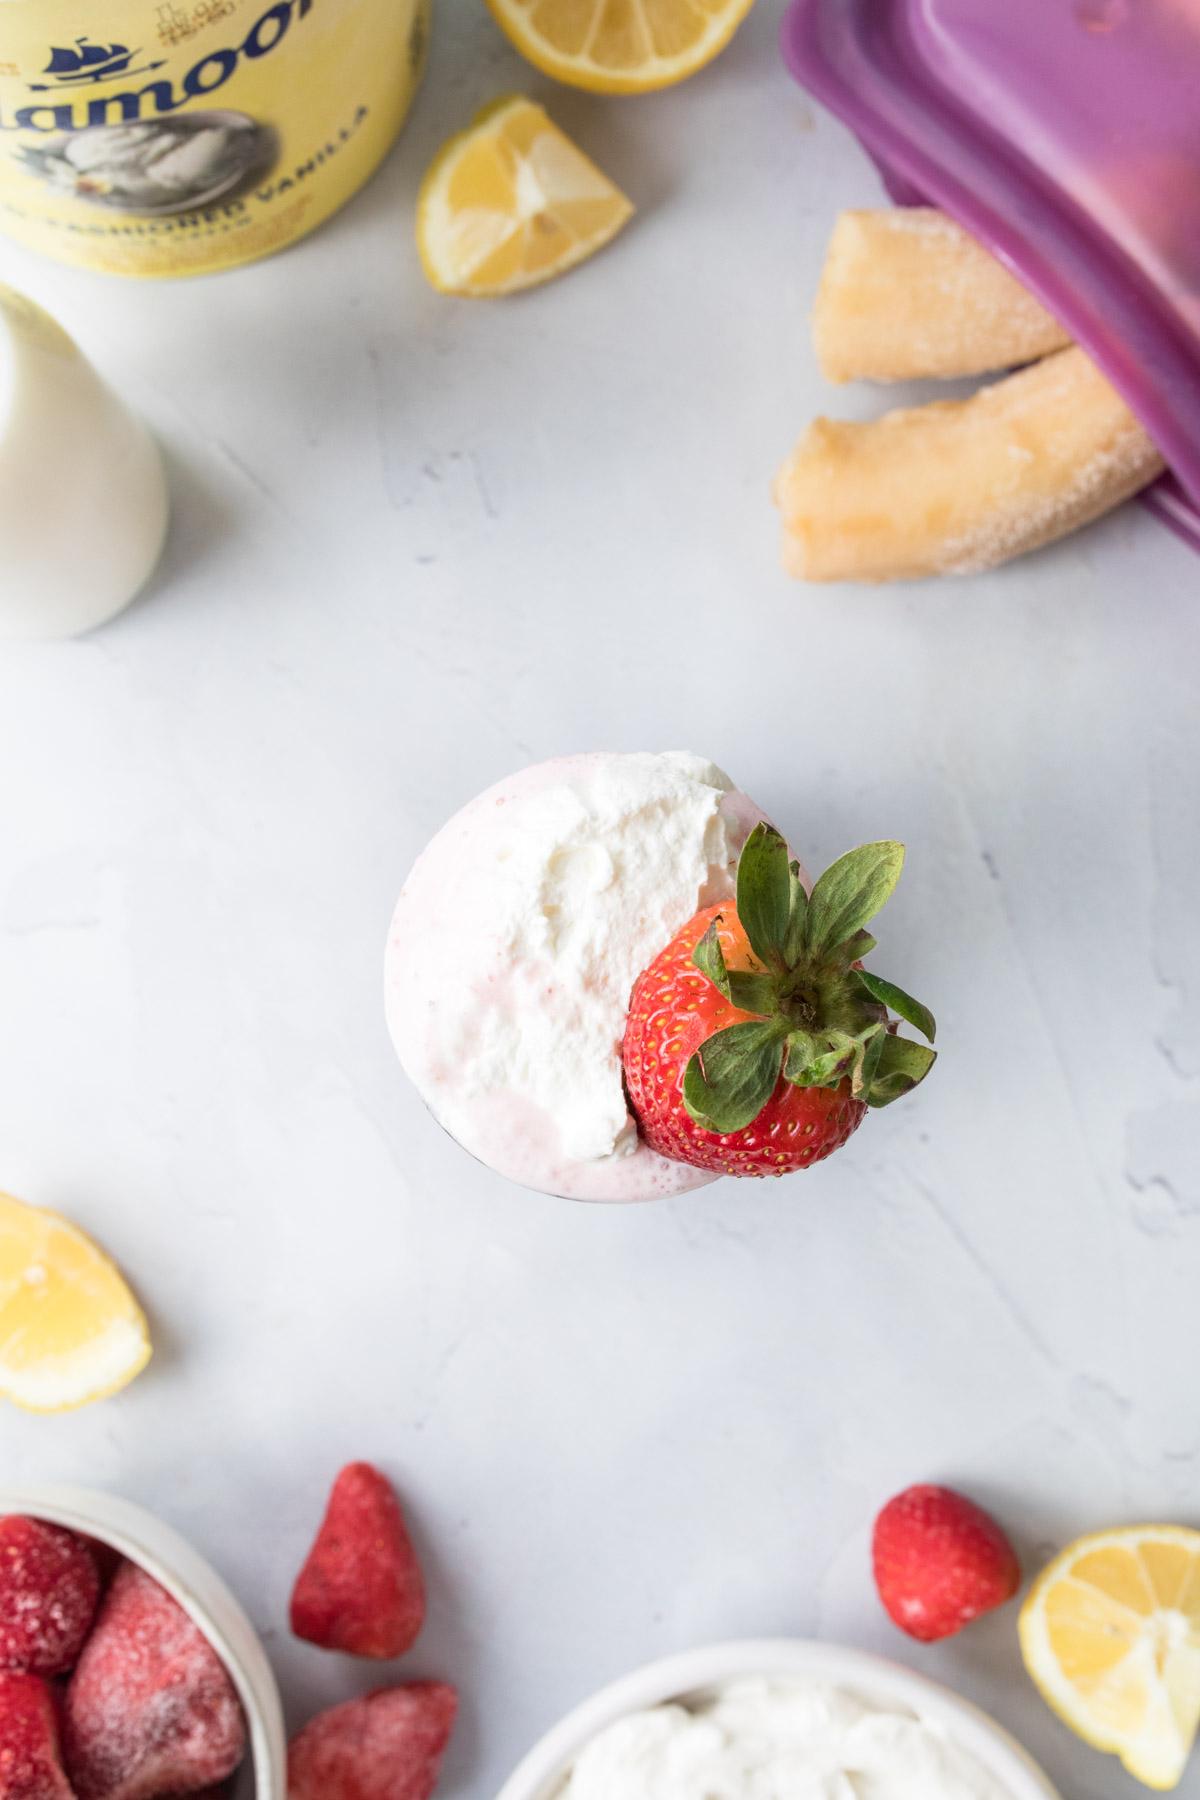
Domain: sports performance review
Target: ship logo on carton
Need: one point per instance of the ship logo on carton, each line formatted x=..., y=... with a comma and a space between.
x=84, y=63
x=86, y=66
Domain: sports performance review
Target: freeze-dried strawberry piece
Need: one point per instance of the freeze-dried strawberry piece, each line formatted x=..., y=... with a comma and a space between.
x=150, y=1709
x=361, y=1588
x=49, y=1587
x=30, y=1762
x=940, y=1561
x=388, y=1746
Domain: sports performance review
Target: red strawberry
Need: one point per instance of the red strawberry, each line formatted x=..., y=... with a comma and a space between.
x=388, y=1746
x=150, y=1709
x=30, y=1765
x=49, y=1587
x=940, y=1561
x=756, y=1041
x=361, y=1588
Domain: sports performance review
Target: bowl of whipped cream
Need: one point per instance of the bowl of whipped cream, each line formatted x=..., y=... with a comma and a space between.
x=758, y=1720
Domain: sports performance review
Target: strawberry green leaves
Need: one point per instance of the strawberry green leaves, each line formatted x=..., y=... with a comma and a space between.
x=820, y=1020
x=764, y=894
x=851, y=891
x=900, y=1066
x=793, y=943
x=753, y=993
x=834, y=1057
x=897, y=1001
x=710, y=960
x=729, y=1081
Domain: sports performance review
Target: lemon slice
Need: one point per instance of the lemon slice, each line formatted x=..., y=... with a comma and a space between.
x=619, y=46
x=511, y=202
x=1111, y=1635
x=70, y=1330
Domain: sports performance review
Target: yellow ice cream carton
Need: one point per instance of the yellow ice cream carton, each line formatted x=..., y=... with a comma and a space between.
x=175, y=137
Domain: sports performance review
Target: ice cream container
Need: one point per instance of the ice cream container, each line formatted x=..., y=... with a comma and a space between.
x=696, y=1674
x=1063, y=135
x=146, y=1540
x=83, y=495
x=175, y=137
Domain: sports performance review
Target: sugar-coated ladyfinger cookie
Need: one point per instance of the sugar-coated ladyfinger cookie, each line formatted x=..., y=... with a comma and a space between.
x=908, y=295
x=962, y=485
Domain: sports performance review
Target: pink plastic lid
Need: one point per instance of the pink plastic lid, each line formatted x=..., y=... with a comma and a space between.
x=1065, y=135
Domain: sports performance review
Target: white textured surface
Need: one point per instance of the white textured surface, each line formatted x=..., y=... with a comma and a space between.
x=417, y=543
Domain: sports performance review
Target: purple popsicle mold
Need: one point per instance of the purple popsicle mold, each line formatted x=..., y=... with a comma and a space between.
x=1065, y=135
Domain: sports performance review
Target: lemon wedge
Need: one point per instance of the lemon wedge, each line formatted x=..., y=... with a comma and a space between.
x=511, y=202
x=619, y=46
x=1111, y=1635
x=70, y=1330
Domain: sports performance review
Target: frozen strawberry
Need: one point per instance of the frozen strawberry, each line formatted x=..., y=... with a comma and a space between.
x=940, y=1561
x=361, y=1588
x=388, y=1746
x=49, y=1587
x=150, y=1709
x=30, y=1764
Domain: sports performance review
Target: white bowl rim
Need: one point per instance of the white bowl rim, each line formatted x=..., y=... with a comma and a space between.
x=176, y=1565
x=689, y=1672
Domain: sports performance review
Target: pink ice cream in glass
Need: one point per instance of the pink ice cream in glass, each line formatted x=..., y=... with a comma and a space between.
x=515, y=944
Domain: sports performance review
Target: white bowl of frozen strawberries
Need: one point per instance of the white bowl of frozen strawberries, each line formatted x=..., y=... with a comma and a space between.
x=128, y=1670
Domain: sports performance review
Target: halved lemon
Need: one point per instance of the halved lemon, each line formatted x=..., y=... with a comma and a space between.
x=1111, y=1635
x=619, y=46
x=70, y=1330
x=511, y=202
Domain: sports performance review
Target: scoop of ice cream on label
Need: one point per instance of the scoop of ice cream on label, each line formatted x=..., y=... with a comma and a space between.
x=515, y=945
x=152, y=164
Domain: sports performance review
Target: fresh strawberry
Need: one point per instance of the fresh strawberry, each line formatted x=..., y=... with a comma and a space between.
x=756, y=1041
x=49, y=1589
x=940, y=1561
x=387, y=1746
x=30, y=1763
x=361, y=1588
